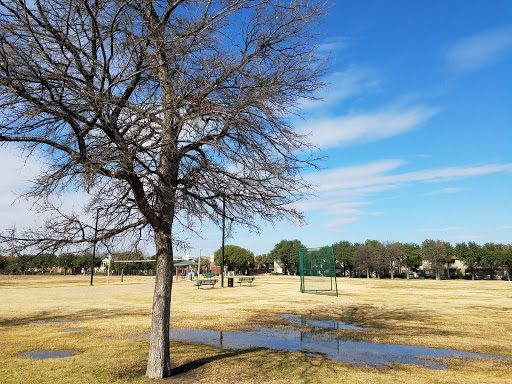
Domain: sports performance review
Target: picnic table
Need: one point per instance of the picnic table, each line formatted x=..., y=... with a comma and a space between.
x=205, y=282
x=242, y=280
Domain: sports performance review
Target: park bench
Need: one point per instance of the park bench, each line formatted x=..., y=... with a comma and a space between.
x=211, y=282
x=245, y=280
x=210, y=275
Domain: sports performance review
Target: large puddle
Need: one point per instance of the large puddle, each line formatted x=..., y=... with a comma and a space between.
x=359, y=353
x=322, y=342
x=50, y=321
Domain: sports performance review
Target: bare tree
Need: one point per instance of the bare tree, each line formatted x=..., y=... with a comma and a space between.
x=363, y=258
x=158, y=110
x=435, y=252
x=393, y=254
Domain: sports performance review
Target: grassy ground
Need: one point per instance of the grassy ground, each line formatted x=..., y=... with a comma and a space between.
x=464, y=315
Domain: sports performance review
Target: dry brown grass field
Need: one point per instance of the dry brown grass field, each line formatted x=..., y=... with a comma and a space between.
x=463, y=315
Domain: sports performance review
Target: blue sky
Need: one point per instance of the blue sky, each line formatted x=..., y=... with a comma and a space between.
x=417, y=124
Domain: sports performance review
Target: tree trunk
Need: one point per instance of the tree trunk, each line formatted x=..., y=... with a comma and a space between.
x=407, y=270
x=159, y=361
x=508, y=274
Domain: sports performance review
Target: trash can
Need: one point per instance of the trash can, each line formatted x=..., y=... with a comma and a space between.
x=230, y=281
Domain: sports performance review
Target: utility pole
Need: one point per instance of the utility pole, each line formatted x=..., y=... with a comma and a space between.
x=108, y=272
x=223, y=235
x=199, y=265
x=94, y=244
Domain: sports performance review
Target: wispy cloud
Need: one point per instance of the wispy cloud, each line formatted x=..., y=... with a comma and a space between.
x=342, y=85
x=378, y=175
x=479, y=50
x=341, y=131
x=335, y=230
x=340, y=221
x=448, y=229
x=333, y=44
x=16, y=180
x=343, y=194
x=506, y=227
x=443, y=191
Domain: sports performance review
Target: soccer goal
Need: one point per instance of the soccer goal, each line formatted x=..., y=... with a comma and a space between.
x=318, y=271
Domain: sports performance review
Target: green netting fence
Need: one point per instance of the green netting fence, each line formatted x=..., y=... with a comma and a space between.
x=318, y=271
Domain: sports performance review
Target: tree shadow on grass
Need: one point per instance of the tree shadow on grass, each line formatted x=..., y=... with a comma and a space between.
x=45, y=317
x=186, y=372
x=192, y=365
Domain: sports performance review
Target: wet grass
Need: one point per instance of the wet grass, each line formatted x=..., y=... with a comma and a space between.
x=442, y=314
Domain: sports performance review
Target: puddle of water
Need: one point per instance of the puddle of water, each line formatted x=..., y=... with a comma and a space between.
x=358, y=353
x=73, y=330
x=40, y=354
x=329, y=324
x=50, y=321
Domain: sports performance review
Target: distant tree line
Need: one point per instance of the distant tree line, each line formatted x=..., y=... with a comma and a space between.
x=374, y=258
x=46, y=262
x=71, y=262
x=371, y=258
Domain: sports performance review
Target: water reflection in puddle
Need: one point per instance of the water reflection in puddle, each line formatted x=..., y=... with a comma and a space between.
x=314, y=343
x=328, y=324
x=40, y=354
x=359, y=353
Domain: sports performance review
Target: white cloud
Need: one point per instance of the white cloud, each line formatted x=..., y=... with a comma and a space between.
x=17, y=179
x=332, y=206
x=16, y=176
x=479, y=50
x=342, y=193
x=444, y=191
x=341, y=86
x=377, y=176
x=341, y=131
x=333, y=44
x=340, y=221
x=335, y=230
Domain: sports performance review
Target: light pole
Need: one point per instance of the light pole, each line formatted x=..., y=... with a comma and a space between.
x=223, y=235
x=199, y=265
x=94, y=244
